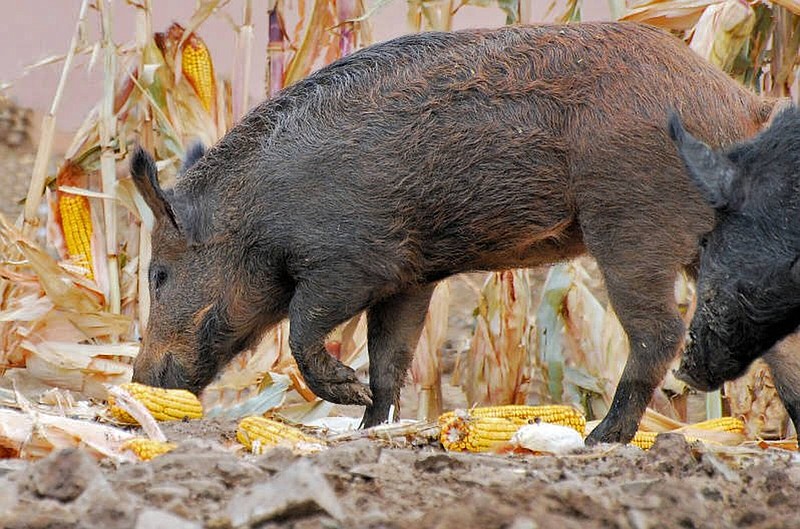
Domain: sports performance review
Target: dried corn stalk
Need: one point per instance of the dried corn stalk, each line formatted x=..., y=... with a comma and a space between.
x=497, y=363
x=722, y=31
x=53, y=325
x=425, y=371
x=315, y=45
x=33, y=435
x=276, y=50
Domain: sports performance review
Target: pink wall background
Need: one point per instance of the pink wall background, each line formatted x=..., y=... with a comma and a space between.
x=36, y=29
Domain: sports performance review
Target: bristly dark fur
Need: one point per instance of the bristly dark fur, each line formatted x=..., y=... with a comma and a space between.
x=409, y=161
x=749, y=280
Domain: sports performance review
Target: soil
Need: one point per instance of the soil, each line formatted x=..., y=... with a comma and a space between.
x=371, y=484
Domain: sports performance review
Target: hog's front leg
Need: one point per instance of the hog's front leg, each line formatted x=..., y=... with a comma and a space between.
x=313, y=314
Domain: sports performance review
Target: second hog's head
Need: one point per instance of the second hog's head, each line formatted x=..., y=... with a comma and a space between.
x=748, y=289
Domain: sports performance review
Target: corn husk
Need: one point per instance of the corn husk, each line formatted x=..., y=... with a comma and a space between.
x=755, y=398
x=791, y=5
x=722, y=31
x=669, y=14
x=33, y=435
x=546, y=438
x=497, y=367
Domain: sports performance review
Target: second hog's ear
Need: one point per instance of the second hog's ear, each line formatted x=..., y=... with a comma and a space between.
x=711, y=171
x=145, y=177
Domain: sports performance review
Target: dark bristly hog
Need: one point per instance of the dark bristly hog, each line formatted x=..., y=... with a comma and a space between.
x=361, y=186
x=749, y=279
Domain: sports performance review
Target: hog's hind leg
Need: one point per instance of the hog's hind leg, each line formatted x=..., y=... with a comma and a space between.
x=314, y=312
x=393, y=329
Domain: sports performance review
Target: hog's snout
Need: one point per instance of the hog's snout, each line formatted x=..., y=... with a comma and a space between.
x=166, y=372
x=696, y=380
x=694, y=367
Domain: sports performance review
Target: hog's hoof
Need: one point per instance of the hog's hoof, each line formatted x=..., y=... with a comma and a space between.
x=335, y=382
x=351, y=393
x=379, y=414
x=611, y=432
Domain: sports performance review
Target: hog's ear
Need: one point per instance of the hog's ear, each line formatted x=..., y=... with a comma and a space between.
x=711, y=171
x=195, y=151
x=145, y=176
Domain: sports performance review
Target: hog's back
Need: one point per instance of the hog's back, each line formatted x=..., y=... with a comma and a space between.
x=477, y=149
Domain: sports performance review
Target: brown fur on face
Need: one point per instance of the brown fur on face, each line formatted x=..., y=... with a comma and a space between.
x=433, y=154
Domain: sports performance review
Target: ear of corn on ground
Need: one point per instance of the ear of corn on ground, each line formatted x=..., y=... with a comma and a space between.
x=164, y=404
x=645, y=440
x=147, y=449
x=723, y=424
x=481, y=429
x=258, y=433
x=554, y=414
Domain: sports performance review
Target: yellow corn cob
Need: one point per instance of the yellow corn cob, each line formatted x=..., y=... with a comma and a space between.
x=477, y=434
x=147, y=449
x=553, y=414
x=645, y=440
x=723, y=424
x=257, y=433
x=199, y=70
x=164, y=404
x=76, y=224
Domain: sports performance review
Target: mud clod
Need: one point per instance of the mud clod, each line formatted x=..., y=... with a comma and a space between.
x=299, y=491
x=64, y=475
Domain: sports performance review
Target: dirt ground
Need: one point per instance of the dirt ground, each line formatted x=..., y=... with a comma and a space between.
x=370, y=484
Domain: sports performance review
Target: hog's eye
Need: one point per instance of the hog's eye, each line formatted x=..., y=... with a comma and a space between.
x=158, y=277
x=703, y=242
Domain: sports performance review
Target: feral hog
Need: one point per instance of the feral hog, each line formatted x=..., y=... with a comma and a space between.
x=748, y=289
x=361, y=186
